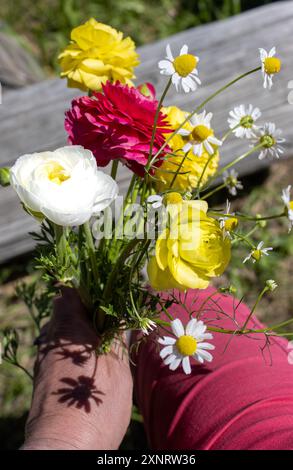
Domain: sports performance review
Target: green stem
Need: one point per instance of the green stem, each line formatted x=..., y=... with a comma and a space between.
x=234, y=162
x=92, y=251
x=178, y=170
x=242, y=237
x=279, y=325
x=265, y=289
x=157, y=117
x=207, y=100
x=229, y=132
x=114, y=169
x=148, y=165
x=218, y=188
x=124, y=255
x=17, y=364
x=60, y=238
x=247, y=217
x=202, y=174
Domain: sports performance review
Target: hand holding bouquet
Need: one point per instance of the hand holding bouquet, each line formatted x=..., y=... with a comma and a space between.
x=99, y=243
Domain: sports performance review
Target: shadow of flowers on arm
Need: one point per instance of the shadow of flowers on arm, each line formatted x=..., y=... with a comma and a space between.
x=80, y=393
x=78, y=357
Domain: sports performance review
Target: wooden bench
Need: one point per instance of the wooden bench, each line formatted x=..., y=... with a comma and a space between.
x=31, y=118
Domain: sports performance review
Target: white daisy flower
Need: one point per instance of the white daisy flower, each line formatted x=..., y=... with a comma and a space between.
x=258, y=252
x=228, y=223
x=242, y=120
x=147, y=325
x=288, y=204
x=230, y=178
x=182, y=69
x=270, y=138
x=190, y=342
x=271, y=285
x=201, y=136
x=156, y=201
x=269, y=66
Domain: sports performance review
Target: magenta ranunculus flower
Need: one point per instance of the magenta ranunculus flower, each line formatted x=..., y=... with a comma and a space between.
x=117, y=124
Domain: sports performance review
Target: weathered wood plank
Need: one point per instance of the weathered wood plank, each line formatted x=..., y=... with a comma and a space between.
x=31, y=119
x=17, y=66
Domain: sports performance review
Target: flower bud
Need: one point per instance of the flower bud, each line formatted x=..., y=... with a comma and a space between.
x=271, y=285
x=4, y=177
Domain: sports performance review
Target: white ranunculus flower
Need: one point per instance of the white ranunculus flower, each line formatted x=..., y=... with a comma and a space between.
x=65, y=185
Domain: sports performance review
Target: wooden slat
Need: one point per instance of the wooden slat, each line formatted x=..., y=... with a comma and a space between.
x=17, y=66
x=31, y=119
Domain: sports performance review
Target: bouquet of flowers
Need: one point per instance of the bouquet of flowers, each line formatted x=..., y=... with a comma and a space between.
x=98, y=242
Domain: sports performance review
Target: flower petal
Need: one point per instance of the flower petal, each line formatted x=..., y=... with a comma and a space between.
x=166, y=351
x=177, y=327
x=167, y=340
x=208, y=346
x=169, y=53
x=186, y=365
x=184, y=50
x=174, y=364
x=204, y=355
x=168, y=360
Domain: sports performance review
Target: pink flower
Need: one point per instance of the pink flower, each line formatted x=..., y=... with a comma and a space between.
x=117, y=124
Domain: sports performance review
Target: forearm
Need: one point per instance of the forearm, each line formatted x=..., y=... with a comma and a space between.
x=81, y=400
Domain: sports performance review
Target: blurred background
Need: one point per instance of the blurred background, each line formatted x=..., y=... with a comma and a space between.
x=43, y=27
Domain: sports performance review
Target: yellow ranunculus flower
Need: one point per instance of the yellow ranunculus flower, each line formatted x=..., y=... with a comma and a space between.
x=96, y=54
x=191, y=251
x=193, y=165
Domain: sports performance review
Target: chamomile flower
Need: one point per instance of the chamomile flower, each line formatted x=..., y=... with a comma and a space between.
x=242, y=120
x=230, y=178
x=271, y=285
x=189, y=342
x=182, y=69
x=270, y=65
x=257, y=253
x=270, y=138
x=155, y=201
x=147, y=325
x=201, y=136
x=228, y=223
x=288, y=205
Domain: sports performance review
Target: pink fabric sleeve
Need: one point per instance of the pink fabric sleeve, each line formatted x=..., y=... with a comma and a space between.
x=243, y=399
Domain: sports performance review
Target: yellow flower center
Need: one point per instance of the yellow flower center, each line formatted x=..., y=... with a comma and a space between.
x=231, y=224
x=184, y=64
x=172, y=198
x=186, y=345
x=291, y=205
x=267, y=141
x=56, y=173
x=256, y=254
x=246, y=122
x=272, y=65
x=200, y=133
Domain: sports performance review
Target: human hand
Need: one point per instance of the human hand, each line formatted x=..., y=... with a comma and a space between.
x=80, y=400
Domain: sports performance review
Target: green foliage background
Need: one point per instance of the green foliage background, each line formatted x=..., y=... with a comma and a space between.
x=46, y=24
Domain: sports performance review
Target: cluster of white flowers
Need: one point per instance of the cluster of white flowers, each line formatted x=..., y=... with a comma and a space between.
x=242, y=120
